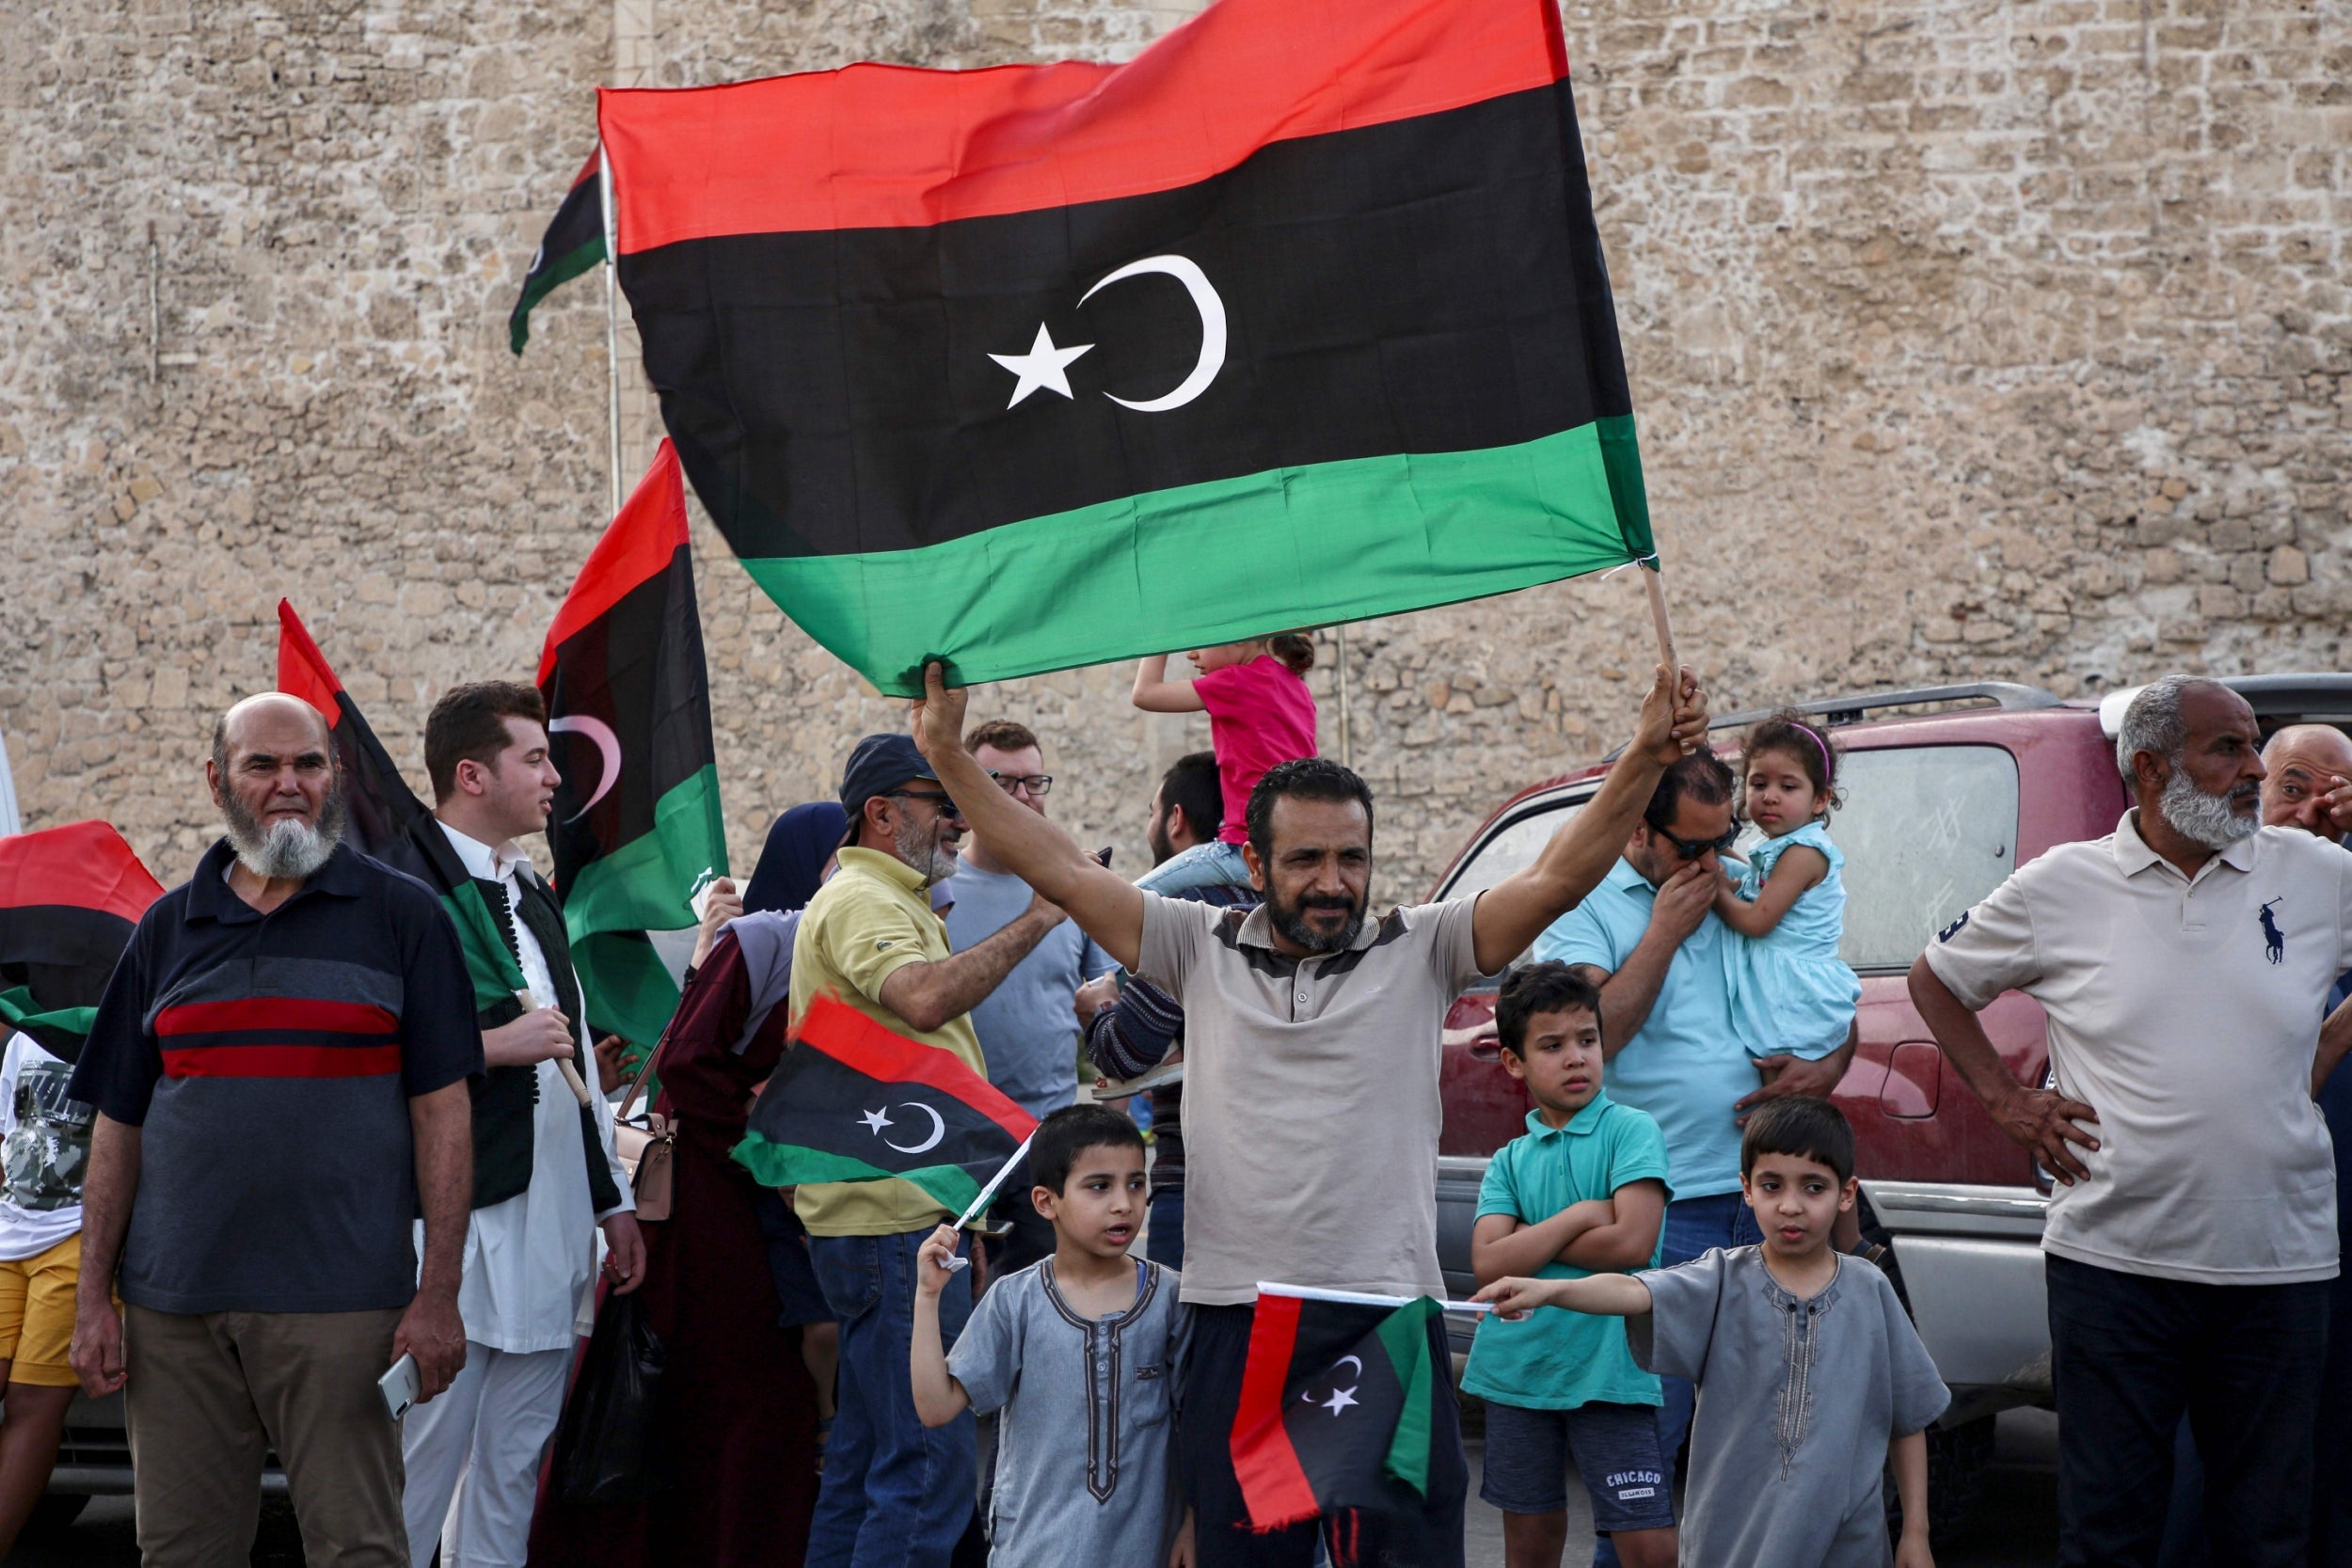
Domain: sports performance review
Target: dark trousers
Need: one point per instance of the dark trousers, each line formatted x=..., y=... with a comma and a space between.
x=2129, y=1357
x=1415, y=1533
x=1165, y=1243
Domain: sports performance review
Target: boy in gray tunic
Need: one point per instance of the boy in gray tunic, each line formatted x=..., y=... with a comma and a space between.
x=1080, y=1352
x=1811, y=1378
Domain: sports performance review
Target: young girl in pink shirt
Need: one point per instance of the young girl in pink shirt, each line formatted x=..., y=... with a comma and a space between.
x=1260, y=714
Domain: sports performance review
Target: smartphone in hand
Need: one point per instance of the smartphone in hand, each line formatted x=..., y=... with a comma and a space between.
x=401, y=1386
x=1103, y=856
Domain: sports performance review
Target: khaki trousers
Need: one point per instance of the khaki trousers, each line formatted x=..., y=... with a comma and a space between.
x=209, y=1395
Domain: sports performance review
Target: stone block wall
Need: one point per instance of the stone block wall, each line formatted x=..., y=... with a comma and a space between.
x=1970, y=339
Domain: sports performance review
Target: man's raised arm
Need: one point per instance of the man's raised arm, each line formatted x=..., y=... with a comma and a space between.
x=1106, y=907
x=1514, y=913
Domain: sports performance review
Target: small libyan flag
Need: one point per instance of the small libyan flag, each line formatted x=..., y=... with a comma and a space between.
x=378, y=799
x=574, y=242
x=1335, y=1406
x=70, y=898
x=856, y=1103
x=636, y=827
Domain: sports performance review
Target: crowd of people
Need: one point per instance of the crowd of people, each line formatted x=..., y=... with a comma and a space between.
x=338, y=1111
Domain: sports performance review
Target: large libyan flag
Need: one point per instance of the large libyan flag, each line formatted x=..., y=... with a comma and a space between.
x=377, y=802
x=1300, y=316
x=636, y=827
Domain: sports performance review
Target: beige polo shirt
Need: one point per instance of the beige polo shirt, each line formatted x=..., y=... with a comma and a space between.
x=872, y=920
x=1310, y=1097
x=2186, y=1011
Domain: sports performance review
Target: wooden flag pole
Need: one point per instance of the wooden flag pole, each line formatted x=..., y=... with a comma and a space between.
x=611, y=327
x=1347, y=737
x=1652, y=579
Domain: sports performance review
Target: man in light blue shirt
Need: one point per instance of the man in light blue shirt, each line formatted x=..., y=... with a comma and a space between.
x=1648, y=937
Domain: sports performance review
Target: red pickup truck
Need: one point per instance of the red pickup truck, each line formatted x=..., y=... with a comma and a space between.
x=1940, y=807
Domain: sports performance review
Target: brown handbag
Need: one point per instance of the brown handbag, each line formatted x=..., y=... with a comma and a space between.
x=648, y=1153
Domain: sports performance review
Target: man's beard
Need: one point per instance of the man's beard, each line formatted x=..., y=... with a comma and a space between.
x=920, y=847
x=2208, y=819
x=287, y=851
x=1291, y=921
x=1156, y=835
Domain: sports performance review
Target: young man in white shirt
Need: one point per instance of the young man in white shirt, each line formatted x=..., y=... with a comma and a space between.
x=546, y=1175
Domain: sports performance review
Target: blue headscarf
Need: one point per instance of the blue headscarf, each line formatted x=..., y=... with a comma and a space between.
x=797, y=848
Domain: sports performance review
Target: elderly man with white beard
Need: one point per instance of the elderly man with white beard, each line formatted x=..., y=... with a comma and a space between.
x=279, y=1069
x=2182, y=962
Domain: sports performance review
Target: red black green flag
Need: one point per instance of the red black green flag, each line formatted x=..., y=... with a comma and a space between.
x=853, y=1102
x=636, y=827
x=1335, y=1407
x=1300, y=316
x=574, y=242
x=376, y=799
x=70, y=898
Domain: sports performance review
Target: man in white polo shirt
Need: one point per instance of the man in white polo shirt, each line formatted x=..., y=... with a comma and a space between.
x=2182, y=962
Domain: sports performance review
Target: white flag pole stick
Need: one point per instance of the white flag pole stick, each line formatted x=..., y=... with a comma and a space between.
x=1358, y=1298
x=611, y=324
x=986, y=1194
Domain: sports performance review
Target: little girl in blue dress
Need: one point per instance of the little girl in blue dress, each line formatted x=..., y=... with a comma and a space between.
x=1791, y=995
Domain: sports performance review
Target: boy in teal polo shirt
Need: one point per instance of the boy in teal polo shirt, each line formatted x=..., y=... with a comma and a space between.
x=1583, y=1192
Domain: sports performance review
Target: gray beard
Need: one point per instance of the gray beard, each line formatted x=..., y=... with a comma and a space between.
x=936, y=861
x=2202, y=818
x=284, y=851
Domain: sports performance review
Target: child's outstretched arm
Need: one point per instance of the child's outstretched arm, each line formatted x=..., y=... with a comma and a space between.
x=1798, y=869
x=938, y=1397
x=1156, y=693
x=1504, y=1245
x=1908, y=1456
x=1628, y=1241
x=1603, y=1295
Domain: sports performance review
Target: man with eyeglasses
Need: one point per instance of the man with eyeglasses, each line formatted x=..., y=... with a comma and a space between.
x=1648, y=937
x=1027, y=1027
x=894, y=1491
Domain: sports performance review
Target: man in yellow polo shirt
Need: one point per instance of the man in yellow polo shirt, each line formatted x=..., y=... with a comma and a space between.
x=894, y=1491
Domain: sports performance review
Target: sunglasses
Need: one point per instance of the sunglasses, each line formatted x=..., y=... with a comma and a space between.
x=942, y=803
x=1691, y=849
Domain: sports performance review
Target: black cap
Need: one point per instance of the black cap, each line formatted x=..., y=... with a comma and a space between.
x=880, y=764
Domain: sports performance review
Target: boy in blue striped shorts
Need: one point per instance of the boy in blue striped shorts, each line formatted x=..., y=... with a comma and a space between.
x=1583, y=1191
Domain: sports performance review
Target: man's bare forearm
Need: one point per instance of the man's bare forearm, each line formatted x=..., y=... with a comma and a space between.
x=107, y=1192
x=930, y=995
x=1960, y=1033
x=441, y=1124
x=1627, y=995
x=2335, y=1039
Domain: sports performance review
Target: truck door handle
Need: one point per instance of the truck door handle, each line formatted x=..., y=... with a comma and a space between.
x=1488, y=1048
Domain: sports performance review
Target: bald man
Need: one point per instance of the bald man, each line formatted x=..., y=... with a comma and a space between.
x=279, y=1070
x=2309, y=785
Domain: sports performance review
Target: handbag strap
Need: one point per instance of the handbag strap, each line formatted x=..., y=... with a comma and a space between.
x=637, y=1085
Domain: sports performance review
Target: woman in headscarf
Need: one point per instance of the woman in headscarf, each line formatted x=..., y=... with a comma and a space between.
x=736, y=1442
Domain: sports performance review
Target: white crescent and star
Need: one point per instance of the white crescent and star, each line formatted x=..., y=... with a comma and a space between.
x=608, y=746
x=1046, y=366
x=879, y=1119
x=1342, y=1398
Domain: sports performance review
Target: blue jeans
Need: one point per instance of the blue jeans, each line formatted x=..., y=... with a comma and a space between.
x=896, y=1493
x=1216, y=863
x=1164, y=1243
x=1694, y=1225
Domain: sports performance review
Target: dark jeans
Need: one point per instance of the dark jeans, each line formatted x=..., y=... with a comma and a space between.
x=1695, y=1225
x=896, y=1493
x=2131, y=1355
x=1412, y=1532
x=1164, y=1243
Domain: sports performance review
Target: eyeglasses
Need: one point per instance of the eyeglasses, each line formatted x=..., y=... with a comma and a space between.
x=1012, y=783
x=1691, y=849
x=942, y=804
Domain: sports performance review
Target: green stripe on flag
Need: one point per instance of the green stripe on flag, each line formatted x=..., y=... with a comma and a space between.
x=17, y=1010
x=626, y=988
x=648, y=883
x=1228, y=559
x=1404, y=1334
x=794, y=1165
x=490, y=965
x=562, y=271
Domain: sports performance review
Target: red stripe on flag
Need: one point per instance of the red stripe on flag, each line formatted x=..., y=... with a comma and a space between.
x=860, y=1043
x=302, y=669
x=640, y=544
x=83, y=865
x=1273, y=1483
x=283, y=1061
x=587, y=172
x=276, y=1012
x=892, y=147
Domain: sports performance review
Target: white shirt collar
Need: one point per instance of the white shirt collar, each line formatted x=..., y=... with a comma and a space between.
x=479, y=858
x=2132, y=855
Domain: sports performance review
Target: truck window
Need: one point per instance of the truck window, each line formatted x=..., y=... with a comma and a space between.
x=1927, y=831
x=1512, y=849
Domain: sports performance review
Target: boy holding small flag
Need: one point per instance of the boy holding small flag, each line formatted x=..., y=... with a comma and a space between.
x=1080, y=1352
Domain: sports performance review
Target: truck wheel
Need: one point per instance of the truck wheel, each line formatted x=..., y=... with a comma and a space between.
x=54, y=1512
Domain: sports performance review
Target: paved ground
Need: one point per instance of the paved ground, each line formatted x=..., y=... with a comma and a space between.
x=2016, y=1526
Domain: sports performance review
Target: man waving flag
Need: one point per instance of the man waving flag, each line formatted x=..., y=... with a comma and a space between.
x=636, y=827
x=1298, y=317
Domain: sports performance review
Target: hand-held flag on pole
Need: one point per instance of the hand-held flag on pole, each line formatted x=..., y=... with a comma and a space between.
x=573, y=243
x=376, y=799
x=636, y=827
x=852, y=1102
x=1298, y=317
x=1336, y=1407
